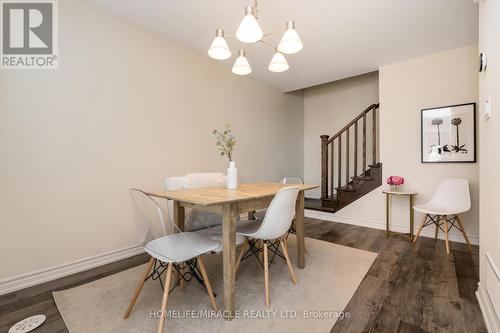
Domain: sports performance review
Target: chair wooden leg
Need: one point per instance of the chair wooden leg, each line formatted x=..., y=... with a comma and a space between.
x=266, y=274
x=288, y=262
x=446, y=235
x=243, y=249
x=420, y=228
x=463, y=233
x=138, y=289
x=207, y=283
x=164, y=300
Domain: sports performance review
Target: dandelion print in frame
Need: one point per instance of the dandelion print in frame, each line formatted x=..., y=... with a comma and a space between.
x=449, y=134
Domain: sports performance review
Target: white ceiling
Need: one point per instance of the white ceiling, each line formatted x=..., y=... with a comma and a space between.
x=342, y=38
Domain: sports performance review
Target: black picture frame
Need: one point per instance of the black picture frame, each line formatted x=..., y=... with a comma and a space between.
x=422, y=159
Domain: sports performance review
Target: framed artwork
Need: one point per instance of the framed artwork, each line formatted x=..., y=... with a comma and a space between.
x=449, y=134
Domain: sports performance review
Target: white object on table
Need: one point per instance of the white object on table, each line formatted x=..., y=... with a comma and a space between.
x=232, y=176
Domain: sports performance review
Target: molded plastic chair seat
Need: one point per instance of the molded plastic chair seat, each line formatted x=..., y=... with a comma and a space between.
x=452, y=197
x=168, y=244
x=172, y=248
x=270, y=232
x=279, y=216
x=215, y=233
x=437, y=209
x=291, y=180
x=248, y=228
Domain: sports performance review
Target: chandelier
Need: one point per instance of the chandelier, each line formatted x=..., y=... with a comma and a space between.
x=250, y=32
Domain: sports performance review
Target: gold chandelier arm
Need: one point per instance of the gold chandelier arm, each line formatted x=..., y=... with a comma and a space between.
x=233, y=35
x=267, y=44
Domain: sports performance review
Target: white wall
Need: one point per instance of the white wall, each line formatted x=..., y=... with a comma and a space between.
x=327, y=109
x=125, y=108
x=439, y=79
x=489, y=83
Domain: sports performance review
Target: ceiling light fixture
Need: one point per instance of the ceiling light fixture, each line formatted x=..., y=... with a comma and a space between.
x=278, y=63
x=249, y=32
x=241, y=65
x=219, y=49
x=290, y=42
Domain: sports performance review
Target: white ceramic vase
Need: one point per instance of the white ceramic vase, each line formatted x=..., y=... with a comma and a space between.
x=232, y=176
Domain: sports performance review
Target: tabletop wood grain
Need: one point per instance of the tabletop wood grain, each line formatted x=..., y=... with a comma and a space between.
x=220, y=195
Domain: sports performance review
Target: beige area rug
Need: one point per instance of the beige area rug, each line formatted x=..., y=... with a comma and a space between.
x=324, y=288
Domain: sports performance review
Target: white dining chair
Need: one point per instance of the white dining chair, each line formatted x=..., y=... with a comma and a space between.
x=290, y=180
x=450, y=199
x=271, y=233
x=170, y=249
x=204, y=223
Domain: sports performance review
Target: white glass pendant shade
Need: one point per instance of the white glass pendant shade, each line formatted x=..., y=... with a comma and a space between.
x=219, y=49
x=278, y=63
x=241, y=65
x=249, y=30
x=290, y=42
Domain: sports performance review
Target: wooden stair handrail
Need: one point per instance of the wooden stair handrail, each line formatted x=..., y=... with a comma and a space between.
x=352, y=122
x=329, y=161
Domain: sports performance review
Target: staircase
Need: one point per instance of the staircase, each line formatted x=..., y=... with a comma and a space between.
x=347, y=171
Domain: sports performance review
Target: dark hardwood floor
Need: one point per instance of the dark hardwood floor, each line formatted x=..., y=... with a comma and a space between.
x=409, y=288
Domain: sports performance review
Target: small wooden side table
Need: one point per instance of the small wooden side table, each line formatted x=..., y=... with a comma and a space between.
x=388, y=194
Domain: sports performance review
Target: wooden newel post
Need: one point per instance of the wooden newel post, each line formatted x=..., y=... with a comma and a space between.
x=324, y=166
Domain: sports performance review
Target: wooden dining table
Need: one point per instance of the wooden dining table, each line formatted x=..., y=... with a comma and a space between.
x=247, y=198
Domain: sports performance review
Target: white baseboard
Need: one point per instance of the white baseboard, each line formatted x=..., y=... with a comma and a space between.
x=490, y=319
x=44, y=275
x=426, y=232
